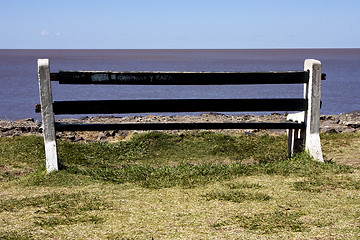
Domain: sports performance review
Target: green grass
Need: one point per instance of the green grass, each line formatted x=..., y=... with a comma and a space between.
x=158, y=160
x=272, y=222
x=54, y=203
x=236, y=196
x=157, y=148
x=198, y=185
x=318, y=184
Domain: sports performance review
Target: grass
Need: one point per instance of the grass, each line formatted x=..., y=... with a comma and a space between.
x=236, y=196
x=197, y=185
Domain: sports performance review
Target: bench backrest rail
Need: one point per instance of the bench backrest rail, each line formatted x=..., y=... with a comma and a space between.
x=299, y=129
x=177, y=105
x=179, y=78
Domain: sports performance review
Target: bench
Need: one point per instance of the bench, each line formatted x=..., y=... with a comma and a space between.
x=303, y=127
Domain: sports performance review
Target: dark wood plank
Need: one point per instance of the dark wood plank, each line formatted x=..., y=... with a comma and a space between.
x=178, y=105
x=175, y=126
x=180, y=78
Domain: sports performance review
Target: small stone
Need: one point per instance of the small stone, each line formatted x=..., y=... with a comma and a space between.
x=25, y=129
x=354, y=125
x=71, y=138
x=108, y=134
x=25, y=120
x=124, y=133
x=249, y=134
x=77, y=139
x=327, y=123
x=348, y=130
x=101, y=136
x=329, y=130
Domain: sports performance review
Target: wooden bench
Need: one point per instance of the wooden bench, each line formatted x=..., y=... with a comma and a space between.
x=303, y=127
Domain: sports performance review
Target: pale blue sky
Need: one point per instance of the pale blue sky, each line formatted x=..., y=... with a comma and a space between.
x=179, y=24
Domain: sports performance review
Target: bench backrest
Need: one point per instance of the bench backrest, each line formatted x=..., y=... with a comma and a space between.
x=179, y=105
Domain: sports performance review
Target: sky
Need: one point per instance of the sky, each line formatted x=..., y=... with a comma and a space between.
x=179, y=24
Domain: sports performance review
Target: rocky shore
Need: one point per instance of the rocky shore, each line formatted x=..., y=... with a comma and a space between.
x=348, y=122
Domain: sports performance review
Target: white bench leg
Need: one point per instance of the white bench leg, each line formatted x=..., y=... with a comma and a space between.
x=309, y=138
x=47, y=113
x=295, y=136
x=312, y=92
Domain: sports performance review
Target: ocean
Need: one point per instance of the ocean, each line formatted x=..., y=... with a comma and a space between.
x=19, y=85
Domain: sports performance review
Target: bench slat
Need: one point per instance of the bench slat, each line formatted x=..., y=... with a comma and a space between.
x=178, y=105
x=180, y=78
x=175, y=126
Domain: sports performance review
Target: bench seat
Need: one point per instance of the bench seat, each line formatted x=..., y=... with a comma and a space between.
x=61, y=127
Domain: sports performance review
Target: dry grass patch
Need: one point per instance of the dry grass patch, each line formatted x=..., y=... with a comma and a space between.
x=100, y=195
x=342, y=148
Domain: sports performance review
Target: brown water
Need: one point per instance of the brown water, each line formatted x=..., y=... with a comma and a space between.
x=19, y=86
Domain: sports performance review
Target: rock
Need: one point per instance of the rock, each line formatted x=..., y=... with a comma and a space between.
x=124, y=133
x=347, y=122
x=328, y=123
x=25, y=129
x=326, y=117
x=71, y=138
x=108, y=134
x=348, y=130
x=58, y=136
x=351, y=119
x=329, y=130
x=102, y=136
x=249, y=133
x=25, y=120
x=77, y=139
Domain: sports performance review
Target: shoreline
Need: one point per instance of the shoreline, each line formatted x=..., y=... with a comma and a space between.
x=348, y=122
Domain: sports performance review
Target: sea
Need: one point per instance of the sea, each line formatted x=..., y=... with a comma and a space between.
x=19, y=84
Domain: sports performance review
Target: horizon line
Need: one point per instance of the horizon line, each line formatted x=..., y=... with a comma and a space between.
x=325, y=48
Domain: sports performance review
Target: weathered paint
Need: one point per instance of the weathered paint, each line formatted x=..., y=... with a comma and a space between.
x=100, y=77
x=309, y=137
x=180, y=78
x=51, y=155
x=47, y=112
x=312, y=92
